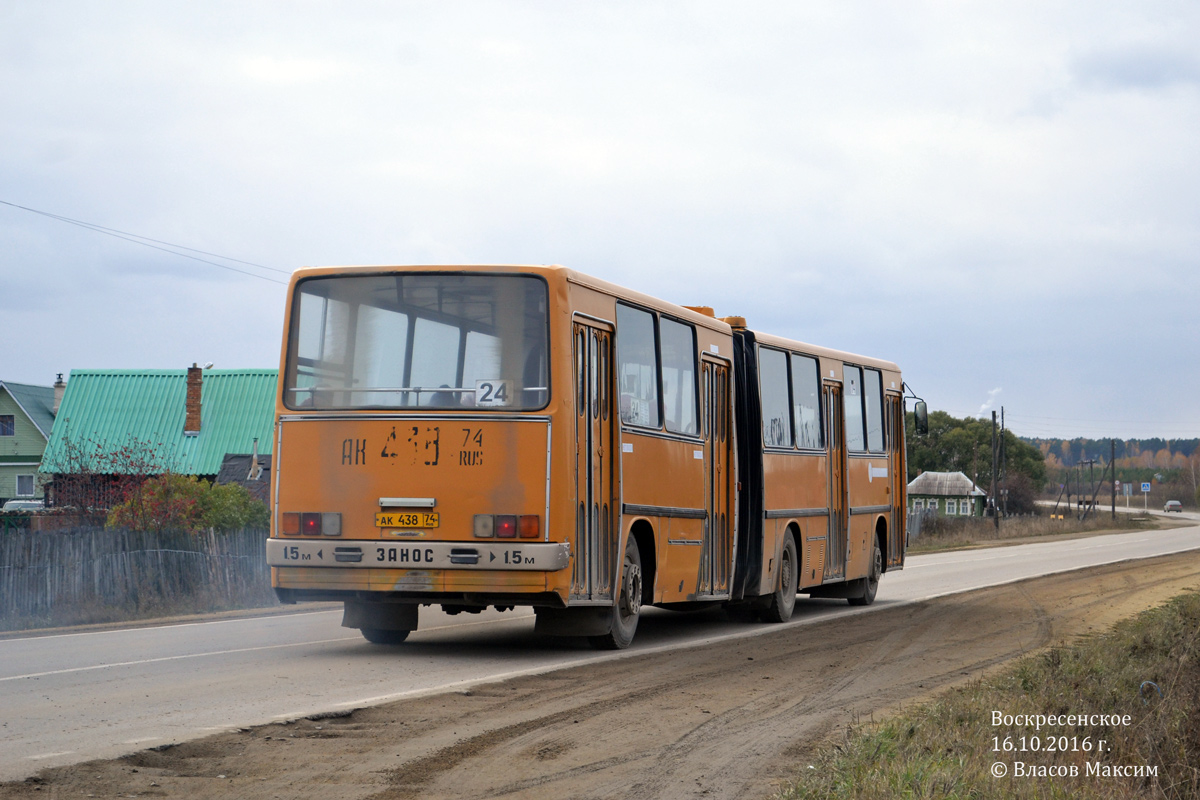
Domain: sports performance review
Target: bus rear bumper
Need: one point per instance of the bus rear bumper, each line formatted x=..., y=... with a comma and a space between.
x=376, y=554
x=543, y=599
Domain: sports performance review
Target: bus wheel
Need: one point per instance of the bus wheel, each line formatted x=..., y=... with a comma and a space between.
x=784, y=598
x=381, y=636
x=628, y=608
x=871, y=582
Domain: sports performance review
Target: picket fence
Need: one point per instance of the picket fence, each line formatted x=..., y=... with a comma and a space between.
x=43, y=574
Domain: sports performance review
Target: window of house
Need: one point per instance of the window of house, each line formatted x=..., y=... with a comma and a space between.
x=8, y=425
x=773, y=387
x=931, y=504
x=951, y=507
x=24, y=486
x=806, y=402
x=964, y=508
x=678, y=376
x=637, y=367
x=853, y=399
x=918, y=504
x=873, y=406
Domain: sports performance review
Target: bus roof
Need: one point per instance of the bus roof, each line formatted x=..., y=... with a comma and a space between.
x=824, y=352
x=549, y=270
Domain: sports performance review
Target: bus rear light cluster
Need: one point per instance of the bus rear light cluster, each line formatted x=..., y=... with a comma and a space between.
x=311, y=523
x=507, y=526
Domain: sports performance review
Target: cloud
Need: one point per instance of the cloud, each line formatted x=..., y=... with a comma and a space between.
x=991, y=400
x=1137, y=67
x=292, y=70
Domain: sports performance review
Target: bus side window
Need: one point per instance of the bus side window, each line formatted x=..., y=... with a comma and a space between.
x=806, y=402
x=773, y=386
x=855, y=440
x=678, y=376
x=873, y=402
x=637, y=367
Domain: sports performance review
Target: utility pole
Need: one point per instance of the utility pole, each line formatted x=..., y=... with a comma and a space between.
x=1091, y=464
x=1067, y=472
x=1004, y=461
x=1112, y=459
x=995, y=505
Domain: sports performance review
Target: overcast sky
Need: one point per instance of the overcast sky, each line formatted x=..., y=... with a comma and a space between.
x=1003, y=199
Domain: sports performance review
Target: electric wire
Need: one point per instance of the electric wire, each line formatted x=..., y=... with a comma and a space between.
x=154, y=244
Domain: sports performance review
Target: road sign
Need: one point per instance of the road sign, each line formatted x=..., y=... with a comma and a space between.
x=1146, y=487
x=1128, y=489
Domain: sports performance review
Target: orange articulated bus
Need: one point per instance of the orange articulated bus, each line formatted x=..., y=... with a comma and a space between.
x=500, y=436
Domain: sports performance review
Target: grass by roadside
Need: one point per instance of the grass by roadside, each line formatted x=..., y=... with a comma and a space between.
x=950, y=747
x=941, y=533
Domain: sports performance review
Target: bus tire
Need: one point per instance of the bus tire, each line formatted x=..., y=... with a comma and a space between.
x=381, y=636
x=870, y=584
x=783, y=600
x=628, y=607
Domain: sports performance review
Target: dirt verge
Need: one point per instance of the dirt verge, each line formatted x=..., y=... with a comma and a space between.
x=725, y=720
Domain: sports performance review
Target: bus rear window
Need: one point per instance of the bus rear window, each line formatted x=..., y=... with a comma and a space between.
x=418, y=340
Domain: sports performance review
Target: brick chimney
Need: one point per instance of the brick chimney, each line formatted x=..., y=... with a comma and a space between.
x=60, y=387
x=195, y=379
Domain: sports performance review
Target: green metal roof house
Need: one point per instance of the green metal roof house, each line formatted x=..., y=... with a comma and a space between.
x=946, y=493
x=26, y=420
x=151, y=421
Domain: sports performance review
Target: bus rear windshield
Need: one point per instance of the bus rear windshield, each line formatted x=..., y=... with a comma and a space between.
x=418, y=340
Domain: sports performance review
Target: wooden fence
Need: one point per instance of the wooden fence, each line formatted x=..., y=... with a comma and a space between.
x=71, y=575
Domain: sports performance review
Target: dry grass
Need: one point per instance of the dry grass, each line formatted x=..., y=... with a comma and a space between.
x=942, y=533
x=947, y=748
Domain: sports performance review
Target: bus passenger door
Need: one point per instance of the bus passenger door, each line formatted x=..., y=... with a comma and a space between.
x=718, y=439
x=835, y=449
x=593, y=548
x=898, y=470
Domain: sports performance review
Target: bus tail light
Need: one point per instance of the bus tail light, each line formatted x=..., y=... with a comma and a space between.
x=311, y=523
x=529, y=526
x=485, y=526
x=507, y=526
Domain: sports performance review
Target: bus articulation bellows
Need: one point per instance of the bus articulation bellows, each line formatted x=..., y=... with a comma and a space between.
x=524, y=435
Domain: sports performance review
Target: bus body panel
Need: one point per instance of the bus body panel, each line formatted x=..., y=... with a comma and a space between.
x=646, y=461
x=363, y=467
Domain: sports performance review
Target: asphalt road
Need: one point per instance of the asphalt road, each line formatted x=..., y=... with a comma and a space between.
x=78, y=696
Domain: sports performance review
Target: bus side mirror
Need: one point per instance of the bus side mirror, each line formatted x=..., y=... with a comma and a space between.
x=921, y=417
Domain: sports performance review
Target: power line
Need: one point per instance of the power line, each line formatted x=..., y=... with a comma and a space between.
x=146, y=241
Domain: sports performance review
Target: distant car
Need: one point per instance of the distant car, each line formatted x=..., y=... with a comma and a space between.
x=23, y=505
x=1173, y=505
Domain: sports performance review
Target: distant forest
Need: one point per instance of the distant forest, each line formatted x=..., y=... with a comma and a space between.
x=1158, y=454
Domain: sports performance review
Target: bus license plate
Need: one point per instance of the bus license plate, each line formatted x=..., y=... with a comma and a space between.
x=406, y=519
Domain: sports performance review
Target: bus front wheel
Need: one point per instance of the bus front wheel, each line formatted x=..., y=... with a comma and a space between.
x=628, y=608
